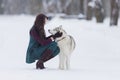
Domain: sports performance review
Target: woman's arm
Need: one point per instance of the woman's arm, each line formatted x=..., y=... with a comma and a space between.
x=35, y=35
x=49, y=36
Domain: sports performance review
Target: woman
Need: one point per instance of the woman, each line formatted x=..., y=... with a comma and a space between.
x=40, y=47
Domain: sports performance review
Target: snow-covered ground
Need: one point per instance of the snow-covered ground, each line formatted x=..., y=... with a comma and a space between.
x=96, y=57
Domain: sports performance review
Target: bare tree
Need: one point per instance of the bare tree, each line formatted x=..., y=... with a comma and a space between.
x=53, y=6
x=73, y=7
x=99, y=11
x=35, y=6
x=114, y=12
x=1, y=7
x=90, y=5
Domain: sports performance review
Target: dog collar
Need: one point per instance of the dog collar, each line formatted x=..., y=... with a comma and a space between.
x=61, y=39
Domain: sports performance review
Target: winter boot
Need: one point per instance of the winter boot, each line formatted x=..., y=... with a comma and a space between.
x=39, y=65
x=47, y=55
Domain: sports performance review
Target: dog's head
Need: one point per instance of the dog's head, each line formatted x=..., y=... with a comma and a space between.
x=56, y=30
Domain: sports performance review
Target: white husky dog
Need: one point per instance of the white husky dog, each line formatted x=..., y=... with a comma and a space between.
x=66, y=44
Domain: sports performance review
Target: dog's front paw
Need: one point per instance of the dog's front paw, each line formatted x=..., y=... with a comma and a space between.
x=61, y=68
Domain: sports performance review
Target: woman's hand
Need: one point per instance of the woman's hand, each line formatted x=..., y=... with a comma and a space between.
x=52, y=38
x=58, y=34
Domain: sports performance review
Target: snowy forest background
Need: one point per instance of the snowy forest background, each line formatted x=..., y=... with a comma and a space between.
x=89, y=8
x=94, y=24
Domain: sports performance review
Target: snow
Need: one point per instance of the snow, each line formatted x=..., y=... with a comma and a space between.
x=96, y=57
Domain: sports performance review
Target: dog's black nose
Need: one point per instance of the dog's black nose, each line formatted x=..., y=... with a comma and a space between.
x=49, y=30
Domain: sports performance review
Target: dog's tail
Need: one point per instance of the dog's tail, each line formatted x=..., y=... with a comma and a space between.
x=72, y=43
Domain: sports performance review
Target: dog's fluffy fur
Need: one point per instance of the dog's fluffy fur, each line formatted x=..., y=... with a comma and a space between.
x=66, y=44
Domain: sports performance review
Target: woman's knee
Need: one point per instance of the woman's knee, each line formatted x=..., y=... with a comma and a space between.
x=57, y=51
x=53, y=45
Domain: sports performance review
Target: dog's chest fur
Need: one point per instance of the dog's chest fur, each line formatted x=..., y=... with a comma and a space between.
x=64, y=45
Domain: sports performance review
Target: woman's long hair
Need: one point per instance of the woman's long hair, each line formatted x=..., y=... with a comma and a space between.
x=39, y=24
x=40, y=21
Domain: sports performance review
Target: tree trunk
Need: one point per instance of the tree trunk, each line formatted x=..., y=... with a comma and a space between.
x=99, y=11
x=1, y=7
x=114, y=13
x=85, y=3
x=89, y=13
